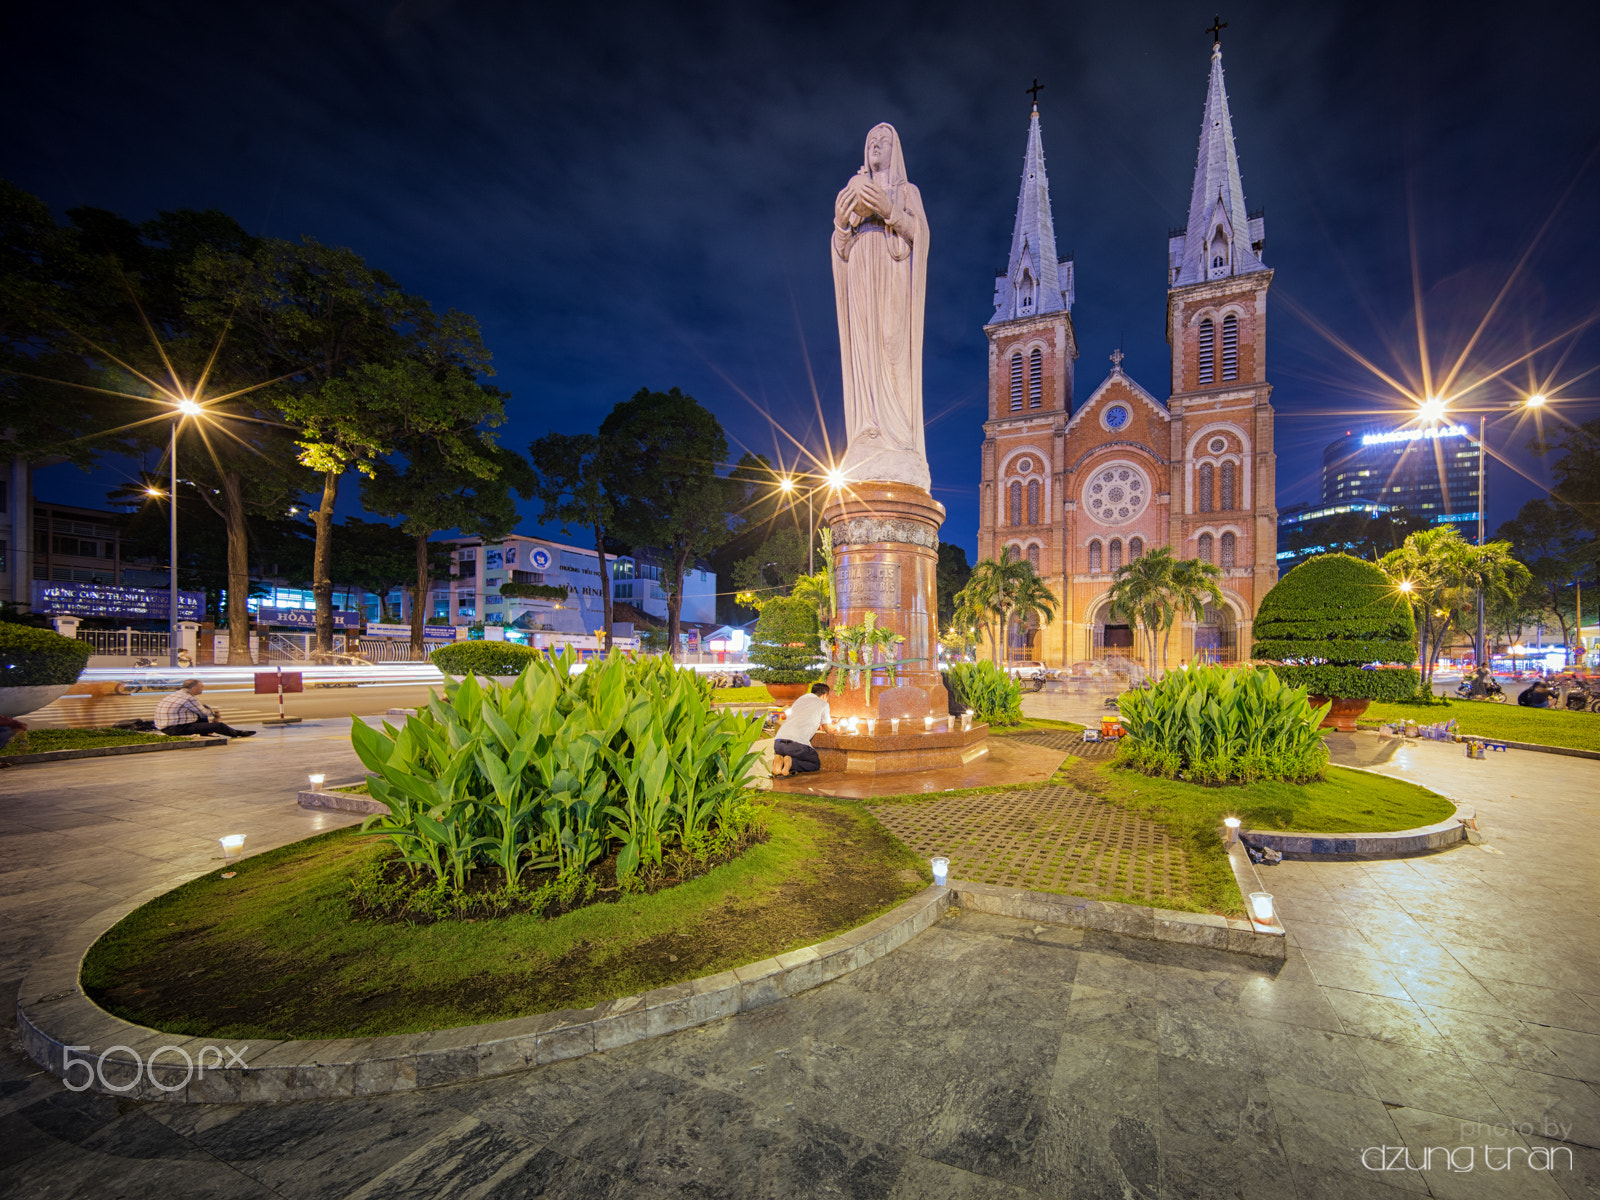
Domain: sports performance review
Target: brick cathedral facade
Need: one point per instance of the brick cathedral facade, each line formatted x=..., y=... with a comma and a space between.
x=1082, y=489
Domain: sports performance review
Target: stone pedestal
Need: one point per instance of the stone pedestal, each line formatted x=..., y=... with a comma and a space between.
x=886, y=557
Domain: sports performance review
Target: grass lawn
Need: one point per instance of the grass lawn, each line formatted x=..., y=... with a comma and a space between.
x=40, y=741
x=1508, y=721
x=1036, y=724
x=1345, y=802
x=755, y=694
x=273, y=953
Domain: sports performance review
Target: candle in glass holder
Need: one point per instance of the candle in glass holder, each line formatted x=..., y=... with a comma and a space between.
x=872, y=726
x=927, y=724
x=894, y=724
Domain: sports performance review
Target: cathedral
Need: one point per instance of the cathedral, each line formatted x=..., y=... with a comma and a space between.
x=1081, y=490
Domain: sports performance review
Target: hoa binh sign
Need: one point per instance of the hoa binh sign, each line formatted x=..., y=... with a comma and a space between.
x=305, y=618
x=107, y=600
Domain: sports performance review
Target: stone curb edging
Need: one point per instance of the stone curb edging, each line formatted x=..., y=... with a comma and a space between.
x=1536, y=747
x=1232, y=934
x=350, y=802
x=1374, y=845
x=55, y=1017
x=112, y=751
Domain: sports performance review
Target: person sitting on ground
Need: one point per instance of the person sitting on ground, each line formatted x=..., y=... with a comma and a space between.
x=1537, y=696
x=181, y=713
x=792, y=750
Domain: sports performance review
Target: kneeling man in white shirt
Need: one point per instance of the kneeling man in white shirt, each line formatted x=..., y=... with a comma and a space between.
x=792, y=751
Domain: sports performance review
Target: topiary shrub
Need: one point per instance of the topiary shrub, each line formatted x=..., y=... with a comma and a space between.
x=39, y=657
x=533, y=591
x=484, y=658
x=785, y=645
x=1336, y=626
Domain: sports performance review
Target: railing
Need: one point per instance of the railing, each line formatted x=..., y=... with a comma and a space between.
x=385, y=650
x=289, y=647
x=125, y=642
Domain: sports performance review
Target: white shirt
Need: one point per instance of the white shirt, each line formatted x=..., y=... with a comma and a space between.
x=806, y=716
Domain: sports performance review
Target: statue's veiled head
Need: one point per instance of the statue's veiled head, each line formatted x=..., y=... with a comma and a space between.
x=883, y=158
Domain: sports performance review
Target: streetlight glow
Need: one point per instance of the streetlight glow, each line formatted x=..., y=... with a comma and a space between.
x=1405, y=586
x=1433, y=408
x=786, y=484
x=835, y=477
x=189, y=408
x=1537, y=400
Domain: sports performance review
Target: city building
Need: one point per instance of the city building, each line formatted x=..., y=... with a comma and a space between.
x=1080, y=489
x=1430, y=471
x=1305, y=531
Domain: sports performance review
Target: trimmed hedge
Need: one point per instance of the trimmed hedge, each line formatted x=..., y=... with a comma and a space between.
x=484, y=658
x=32, y=657
x=1328, y=621
x=785, y=646
x=533, y=591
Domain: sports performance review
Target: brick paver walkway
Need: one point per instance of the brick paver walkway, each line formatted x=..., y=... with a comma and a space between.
x=1049, y=839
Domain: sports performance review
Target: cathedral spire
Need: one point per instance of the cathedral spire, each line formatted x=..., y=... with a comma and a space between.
x=1222, y=238
x=1034, y=282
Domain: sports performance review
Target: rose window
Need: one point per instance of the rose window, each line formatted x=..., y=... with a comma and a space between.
x=1117, y=493
x=1218, y=445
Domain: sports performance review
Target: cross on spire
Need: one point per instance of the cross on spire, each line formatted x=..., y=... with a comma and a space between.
x=1035, y=90
x=1116, y=359
x=1217, y=26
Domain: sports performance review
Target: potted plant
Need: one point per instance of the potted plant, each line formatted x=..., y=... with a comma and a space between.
x=1336, y=626
x=783, y=648
x=37, y=666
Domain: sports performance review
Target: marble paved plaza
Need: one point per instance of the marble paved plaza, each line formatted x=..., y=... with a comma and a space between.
x=1426, y=1003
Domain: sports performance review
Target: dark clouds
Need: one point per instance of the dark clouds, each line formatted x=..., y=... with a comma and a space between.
x=630, y=195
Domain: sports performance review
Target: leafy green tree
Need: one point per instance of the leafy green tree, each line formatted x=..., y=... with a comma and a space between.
x=362, y=365
x=432, y=492
x=775, y=568
x=1577, y=471
x=785, y=645
x=569, y=480
x=1551, y=539
x=1193, y=588
x=663, y=450
x=1142, y=594
x=1002, y=586
x=952, y=575
x=376, y=557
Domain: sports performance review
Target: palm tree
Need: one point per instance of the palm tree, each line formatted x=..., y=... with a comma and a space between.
x=1193, y=586
x=1441, y=572
x=971, y=614
x=994, y=585
x=1033, y=597
x=1140, y=594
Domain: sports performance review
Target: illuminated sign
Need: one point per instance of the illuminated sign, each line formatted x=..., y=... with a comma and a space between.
x=104, y=600
x=1412, y=435
x=540, y=557
x=305, y=618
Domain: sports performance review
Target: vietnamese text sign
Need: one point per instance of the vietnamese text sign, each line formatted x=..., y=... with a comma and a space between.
x=432, y=633
x=107, y=600
x=305, y=618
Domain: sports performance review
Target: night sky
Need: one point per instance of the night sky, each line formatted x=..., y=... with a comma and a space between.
x=632, y=195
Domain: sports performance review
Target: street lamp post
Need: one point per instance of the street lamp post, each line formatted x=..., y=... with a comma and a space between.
x=1483, y=512
x=184, y=408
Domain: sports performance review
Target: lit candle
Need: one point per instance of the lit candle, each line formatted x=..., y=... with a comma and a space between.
x=1233, y=829
x=232, y=846
x=872, y=726
x=1261, y=907
x=894, y=724
x=927, y=724
x=316, y=780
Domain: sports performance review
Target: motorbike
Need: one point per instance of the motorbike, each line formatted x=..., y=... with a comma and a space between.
x=1494, y=694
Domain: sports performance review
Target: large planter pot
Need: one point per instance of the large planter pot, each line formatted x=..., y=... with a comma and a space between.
x=787, y=693
x=15, y=701
x=1344, y=713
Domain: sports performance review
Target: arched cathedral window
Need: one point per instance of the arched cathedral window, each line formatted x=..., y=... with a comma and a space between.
x=1229, y=547
x=1208, y=351
x=1135, y=548
x=1033, y=502
x=1033, y=557
x=1035, y=378
x=1016, y=503
x=1230, y=347
x=1205, y=547
x=1207, y=474
x=1225, y=503
x=1016, y=382
x=1094, y=557
x=1116, y=553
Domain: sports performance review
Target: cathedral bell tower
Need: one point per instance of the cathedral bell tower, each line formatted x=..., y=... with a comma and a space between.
x=1031, y=351
x=1223, y=505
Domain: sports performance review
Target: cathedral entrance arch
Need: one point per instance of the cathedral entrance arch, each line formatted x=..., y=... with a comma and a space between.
x=1216, y=635
x=1110, y=637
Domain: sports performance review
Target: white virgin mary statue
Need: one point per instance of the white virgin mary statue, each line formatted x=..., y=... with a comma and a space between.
x=880, y=276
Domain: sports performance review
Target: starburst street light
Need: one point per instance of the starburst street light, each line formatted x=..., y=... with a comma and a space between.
x=834, y=479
